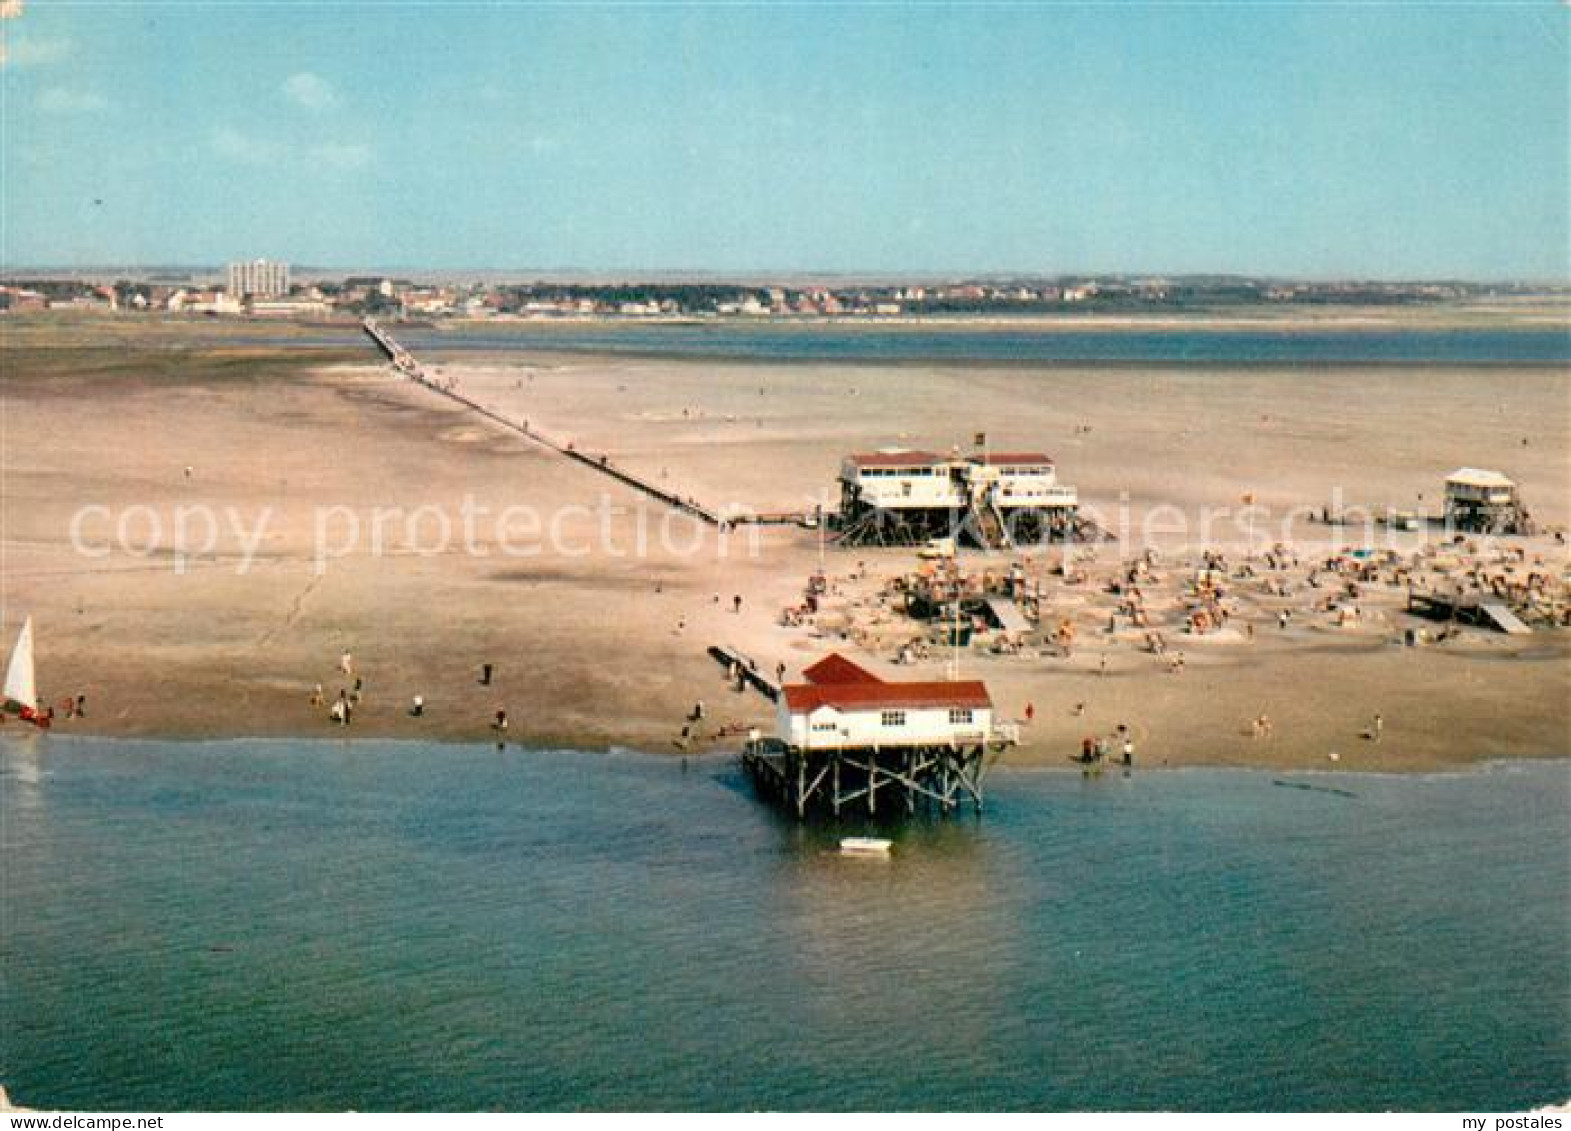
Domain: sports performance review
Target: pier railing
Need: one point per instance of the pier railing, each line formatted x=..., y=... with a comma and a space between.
x=405, y=363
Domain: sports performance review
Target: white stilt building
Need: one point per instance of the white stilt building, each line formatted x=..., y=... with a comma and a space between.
x=993, y=499
x=847, y=736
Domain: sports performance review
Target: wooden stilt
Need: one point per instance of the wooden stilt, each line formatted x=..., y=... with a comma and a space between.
x=804, y=779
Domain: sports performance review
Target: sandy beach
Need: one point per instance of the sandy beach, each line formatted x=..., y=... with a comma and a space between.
x=292, y=452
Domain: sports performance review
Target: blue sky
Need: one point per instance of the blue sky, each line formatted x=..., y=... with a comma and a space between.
x=1378, y=140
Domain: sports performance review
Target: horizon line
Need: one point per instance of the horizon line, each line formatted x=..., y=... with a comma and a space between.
x=742, y=276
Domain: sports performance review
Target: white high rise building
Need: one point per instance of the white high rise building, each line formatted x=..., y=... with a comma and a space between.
x=260, y=278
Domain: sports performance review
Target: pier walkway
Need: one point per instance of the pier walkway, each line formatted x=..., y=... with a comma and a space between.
x=406, y=364
x=747, y=668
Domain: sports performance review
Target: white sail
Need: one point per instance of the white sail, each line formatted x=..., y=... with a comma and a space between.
x=20, y=686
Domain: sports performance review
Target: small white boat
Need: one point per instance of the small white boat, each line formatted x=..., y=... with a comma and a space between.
x=21, y=686
x=865, y=846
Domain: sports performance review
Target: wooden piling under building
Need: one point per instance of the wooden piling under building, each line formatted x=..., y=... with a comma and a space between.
x=901, y=779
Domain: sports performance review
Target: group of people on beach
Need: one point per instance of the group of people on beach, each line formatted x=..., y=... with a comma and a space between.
x=42, y=714
x=1096, y=749
x=342, y=709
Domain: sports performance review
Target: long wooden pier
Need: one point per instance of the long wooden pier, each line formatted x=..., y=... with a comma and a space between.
x=405, y=363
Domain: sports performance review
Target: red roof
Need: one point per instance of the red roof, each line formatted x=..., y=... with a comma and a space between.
x=897, y=459
x=805, y=698
x=1032, y=459
x=836, y=669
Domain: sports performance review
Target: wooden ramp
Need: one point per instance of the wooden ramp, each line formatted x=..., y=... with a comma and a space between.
x=1010, y=618
x=726, y=655
x=1502, y=618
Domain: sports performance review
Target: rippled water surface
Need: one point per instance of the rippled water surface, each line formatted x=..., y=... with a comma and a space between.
x=383, y=925
x=1053, y=345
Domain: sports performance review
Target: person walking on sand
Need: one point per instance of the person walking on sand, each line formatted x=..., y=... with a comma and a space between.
x=485, y=675
x=346, y=663
x=1129, y=752
x=417, y=707
x=1378, y=729
x=736, y=603
x=1030, y=711
x=316, y=696
x=500, y=724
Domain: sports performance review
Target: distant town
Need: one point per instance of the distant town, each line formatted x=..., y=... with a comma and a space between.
x=263, y=288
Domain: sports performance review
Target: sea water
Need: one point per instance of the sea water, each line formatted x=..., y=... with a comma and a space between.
x=376, y=925
x=982, y=343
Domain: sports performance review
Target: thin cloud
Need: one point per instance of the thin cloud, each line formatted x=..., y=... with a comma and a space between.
x=60, y=100
x=310, y=91
x=342, y=155
x=32, y=51
x=242, y=147
x=245, y=148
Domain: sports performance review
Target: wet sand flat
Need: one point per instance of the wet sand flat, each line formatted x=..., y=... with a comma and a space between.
x=597, y=643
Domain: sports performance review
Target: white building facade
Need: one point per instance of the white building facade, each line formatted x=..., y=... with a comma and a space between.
x=258, y=278
x=847, y=707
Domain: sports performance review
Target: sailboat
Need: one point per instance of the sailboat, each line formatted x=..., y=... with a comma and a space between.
x=21, y=687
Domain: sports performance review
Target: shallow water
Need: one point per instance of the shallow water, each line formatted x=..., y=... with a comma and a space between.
x=372, y=925
x=1053, y=345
